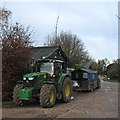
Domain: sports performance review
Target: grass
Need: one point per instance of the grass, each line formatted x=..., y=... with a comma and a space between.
x=7, y=104
x=10, y=104
x=111, y=80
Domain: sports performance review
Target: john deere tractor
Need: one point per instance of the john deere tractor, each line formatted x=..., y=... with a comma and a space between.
x=47, y=83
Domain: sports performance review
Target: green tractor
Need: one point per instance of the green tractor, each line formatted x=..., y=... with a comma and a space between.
x=47, y=83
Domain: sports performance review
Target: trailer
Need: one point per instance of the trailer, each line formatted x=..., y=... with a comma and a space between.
x=85, y=79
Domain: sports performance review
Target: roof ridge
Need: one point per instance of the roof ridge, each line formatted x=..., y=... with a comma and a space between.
x=45, y=47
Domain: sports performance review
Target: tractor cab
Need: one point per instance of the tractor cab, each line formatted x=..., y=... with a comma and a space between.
x=52, y=68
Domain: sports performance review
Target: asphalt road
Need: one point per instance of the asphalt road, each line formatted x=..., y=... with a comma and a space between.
x=101, y=103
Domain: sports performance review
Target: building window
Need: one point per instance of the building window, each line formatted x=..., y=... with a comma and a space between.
x=85, y=75
x=93, y=76
x=77, y=75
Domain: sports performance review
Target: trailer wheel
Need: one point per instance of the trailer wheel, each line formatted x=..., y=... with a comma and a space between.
x=66, y=90
x=92, y=89
x=16, y=94
x=98, y=83
x=47, y=95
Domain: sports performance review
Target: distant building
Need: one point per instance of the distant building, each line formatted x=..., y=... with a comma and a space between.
x=111, y=66
x=112, y=70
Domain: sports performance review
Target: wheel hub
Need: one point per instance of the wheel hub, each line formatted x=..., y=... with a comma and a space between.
x=51, y=96
x=67, y=90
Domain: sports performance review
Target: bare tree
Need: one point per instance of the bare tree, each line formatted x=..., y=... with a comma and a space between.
x=71, y=44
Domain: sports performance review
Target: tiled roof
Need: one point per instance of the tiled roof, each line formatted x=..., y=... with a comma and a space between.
x=89, y=71
x=39, y=52
x=48, y=51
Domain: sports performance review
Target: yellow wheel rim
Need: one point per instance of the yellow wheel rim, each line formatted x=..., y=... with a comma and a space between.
x=67, y=90
x=51, y=96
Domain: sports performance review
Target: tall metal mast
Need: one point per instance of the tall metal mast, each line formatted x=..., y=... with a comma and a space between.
x=56, y=27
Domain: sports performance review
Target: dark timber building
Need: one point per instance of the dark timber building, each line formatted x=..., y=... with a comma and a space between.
x=50, y=52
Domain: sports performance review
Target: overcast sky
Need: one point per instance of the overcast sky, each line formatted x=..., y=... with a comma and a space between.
x=96, y=24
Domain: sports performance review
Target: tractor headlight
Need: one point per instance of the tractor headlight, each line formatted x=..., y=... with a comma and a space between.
x=24, y=78
x=30, y=78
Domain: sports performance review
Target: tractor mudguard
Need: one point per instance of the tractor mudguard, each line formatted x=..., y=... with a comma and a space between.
x=48, y=82
x=19, y=81
x=63, y=77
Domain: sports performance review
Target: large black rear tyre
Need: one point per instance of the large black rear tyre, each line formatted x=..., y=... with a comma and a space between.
x=16, y=94
x=47, y=95
x=66, y=90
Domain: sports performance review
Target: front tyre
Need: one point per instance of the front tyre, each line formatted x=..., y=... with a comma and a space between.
x=47, y=95
x=66, y=90
x=16, y=94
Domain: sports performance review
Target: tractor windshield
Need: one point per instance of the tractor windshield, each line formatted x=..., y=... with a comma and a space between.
x=47, y=67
